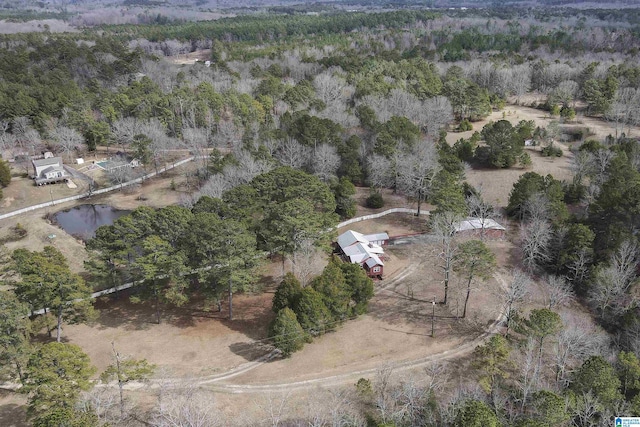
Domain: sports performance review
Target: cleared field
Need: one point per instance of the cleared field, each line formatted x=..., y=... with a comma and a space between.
x=496, y=184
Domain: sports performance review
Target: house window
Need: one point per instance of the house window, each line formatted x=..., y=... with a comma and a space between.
x=376, y=269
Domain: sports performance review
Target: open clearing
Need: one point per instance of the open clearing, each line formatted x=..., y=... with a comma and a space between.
x=496, y=184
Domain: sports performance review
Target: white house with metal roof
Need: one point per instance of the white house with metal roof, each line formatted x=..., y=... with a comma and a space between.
x=49, y=170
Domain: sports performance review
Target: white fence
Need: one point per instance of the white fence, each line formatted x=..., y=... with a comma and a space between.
x=97, y=192
x=115, y=187
x=381, y=214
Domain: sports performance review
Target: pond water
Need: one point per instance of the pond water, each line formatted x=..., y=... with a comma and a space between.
x=83, y=221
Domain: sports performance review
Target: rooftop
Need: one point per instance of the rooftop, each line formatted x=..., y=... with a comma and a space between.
x=47, y=162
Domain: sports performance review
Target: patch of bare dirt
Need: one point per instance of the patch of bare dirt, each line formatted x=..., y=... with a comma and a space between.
x=13, y=409
x=191, y=57
x=395, y=224
x=391, y=200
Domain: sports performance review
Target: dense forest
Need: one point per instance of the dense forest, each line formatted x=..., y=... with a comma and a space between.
x=291, y=112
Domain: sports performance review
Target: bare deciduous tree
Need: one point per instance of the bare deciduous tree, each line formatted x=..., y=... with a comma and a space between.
x=325, y=162
x=535, y=237
x=581, y=166
x=565, y=92
x=293, y=154
x=228, y=135
x=124, y=131
x=197, y=141
x=247, y=168
x=66, y=140
x=479, y=208
x=105, y=404
x=379, y=171
x=536, y=208
x=215, y=186
x=578, y=339
x=514, y=295
x=557, y=292
x=274, y=408
x=529, y=373
x=601, y=160
x=183, y=403
x=329, y=88
x=609, y=291
x=416, y=171
x=306, y=260
x=444, y=226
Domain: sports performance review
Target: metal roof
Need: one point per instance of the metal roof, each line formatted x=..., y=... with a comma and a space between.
x=48, y=162
x=360, y=250
x=376, y=237
x=373, y=261
x=350, y=237
x=477, y=224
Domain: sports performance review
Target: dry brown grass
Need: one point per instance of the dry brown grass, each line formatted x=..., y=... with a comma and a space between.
x=496, y=184
x=155, y=193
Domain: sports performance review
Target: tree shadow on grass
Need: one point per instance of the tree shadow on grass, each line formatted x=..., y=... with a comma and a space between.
x=119, y=312
x=12, y=414
x=252, y=313
x=251, y=351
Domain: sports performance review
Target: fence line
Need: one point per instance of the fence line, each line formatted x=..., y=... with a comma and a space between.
x=381, y=214
x=342, y=224
x=100, y=191
x=131, y=284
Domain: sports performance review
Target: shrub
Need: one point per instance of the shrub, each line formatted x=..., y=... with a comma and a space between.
x=551, y=151
x=465, y=125
x=464, y=149
x=375, y=201
x=525, y=160
x=568, y=113
x=287, y=293
x=5, y=173
x=475, y=138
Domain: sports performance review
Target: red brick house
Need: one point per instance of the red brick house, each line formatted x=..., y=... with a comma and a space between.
x=358, y=248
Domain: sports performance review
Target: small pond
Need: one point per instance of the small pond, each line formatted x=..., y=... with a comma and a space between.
x=83, y=221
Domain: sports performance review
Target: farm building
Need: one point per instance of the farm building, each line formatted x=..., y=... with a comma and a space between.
x=117, y=163
x=49, y=170
x=477, y=226
x=365, y=250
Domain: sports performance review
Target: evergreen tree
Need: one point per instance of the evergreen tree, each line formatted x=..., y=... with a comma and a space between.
x=5, y=173
x=287, y=293
x=286, y=333
x=313, y=315
x=55, y=376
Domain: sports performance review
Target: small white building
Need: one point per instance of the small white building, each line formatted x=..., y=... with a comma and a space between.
x=477, y=226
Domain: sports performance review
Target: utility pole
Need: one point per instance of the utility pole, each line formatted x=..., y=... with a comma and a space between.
x=230, y=286
x=230, y=298
x=433, y=316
